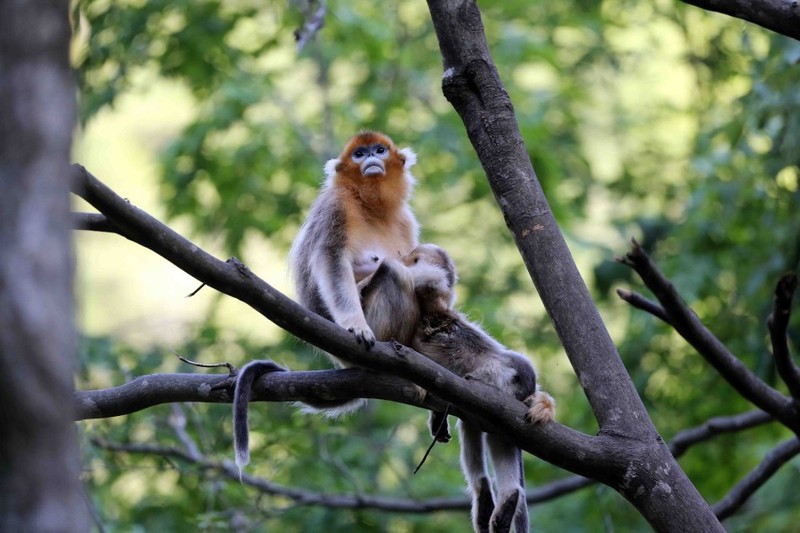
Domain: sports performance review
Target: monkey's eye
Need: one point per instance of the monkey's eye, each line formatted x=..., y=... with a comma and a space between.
x=416, y=260
x=358, y=154
x=380, y=150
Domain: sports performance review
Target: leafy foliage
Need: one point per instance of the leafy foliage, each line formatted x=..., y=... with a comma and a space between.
x=649, y=120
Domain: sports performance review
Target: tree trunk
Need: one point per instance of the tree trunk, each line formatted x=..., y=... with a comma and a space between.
x=40, y=489
x=644, y=470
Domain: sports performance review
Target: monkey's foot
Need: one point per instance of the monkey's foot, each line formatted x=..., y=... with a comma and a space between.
x=542, y=407
x=482, y=505
x=504, y=513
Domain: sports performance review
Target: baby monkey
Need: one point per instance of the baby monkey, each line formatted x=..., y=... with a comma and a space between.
x=462, y=347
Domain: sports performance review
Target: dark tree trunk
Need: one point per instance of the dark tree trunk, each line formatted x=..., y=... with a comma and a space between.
x=643, y=469
x=40, y=488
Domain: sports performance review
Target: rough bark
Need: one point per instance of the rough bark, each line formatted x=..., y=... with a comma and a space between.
x=39, y=484
x=651, y=479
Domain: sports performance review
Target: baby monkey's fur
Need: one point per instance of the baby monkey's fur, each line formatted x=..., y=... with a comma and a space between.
x=459, y=345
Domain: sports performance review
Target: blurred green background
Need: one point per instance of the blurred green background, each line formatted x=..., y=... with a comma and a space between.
x=651, y=120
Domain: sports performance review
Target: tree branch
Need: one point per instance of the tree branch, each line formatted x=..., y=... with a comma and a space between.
x=716, y=426
x=308, y=386
x=314, y=14
x=157, y=389
x=337, y=501
x=588, y=456
x=688, y=325
x=781, y=16
x=472, y=85
x=778, y=323
x=753, y=481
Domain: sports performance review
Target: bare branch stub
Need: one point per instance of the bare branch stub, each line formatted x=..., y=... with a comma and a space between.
x=92, y=222
x=778, y=323
x=640, y=302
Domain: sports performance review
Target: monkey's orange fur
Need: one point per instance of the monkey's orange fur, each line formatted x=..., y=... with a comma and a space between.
x=374, y=207
x=360, y=218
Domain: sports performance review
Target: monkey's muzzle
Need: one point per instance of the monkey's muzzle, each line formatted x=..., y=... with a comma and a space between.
x=372, y=166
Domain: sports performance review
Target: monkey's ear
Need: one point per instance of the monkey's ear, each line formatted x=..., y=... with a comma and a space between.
x=410, y=157
x=330, y=168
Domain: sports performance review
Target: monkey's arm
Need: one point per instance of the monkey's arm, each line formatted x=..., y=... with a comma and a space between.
x=333, y=272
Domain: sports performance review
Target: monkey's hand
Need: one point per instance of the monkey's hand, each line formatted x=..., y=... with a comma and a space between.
x=542, y=407
x=361, y=330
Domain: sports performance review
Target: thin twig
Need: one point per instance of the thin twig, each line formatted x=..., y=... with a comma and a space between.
x=177, y=422
x=740, y=493
x=196, y=290
x=231, y=369
x=683, y=440
x=436, y=435
x=315, y=20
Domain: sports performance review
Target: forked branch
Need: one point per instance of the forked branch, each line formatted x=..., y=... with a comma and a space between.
x=689, y=326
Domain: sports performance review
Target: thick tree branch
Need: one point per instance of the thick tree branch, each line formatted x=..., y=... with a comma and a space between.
x=755, y=479
x=688, y=325
x=472, y=85
x=778, y=323
x=156, y=389
x=595, y=457
x=309, y=386
x=781, y=16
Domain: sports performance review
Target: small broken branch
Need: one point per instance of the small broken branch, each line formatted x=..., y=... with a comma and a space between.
x=92, y=222
x=645, y=304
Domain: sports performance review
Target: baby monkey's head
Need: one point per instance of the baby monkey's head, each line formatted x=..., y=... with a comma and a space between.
x=434, y=274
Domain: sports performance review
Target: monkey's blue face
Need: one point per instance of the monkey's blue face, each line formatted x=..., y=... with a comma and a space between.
x=371, y=158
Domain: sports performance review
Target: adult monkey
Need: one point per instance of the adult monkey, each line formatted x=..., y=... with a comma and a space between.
x=345, y=261
x=360, y=218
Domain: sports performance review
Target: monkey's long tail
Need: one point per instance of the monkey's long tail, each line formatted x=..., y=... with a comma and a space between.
x=241, y=398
